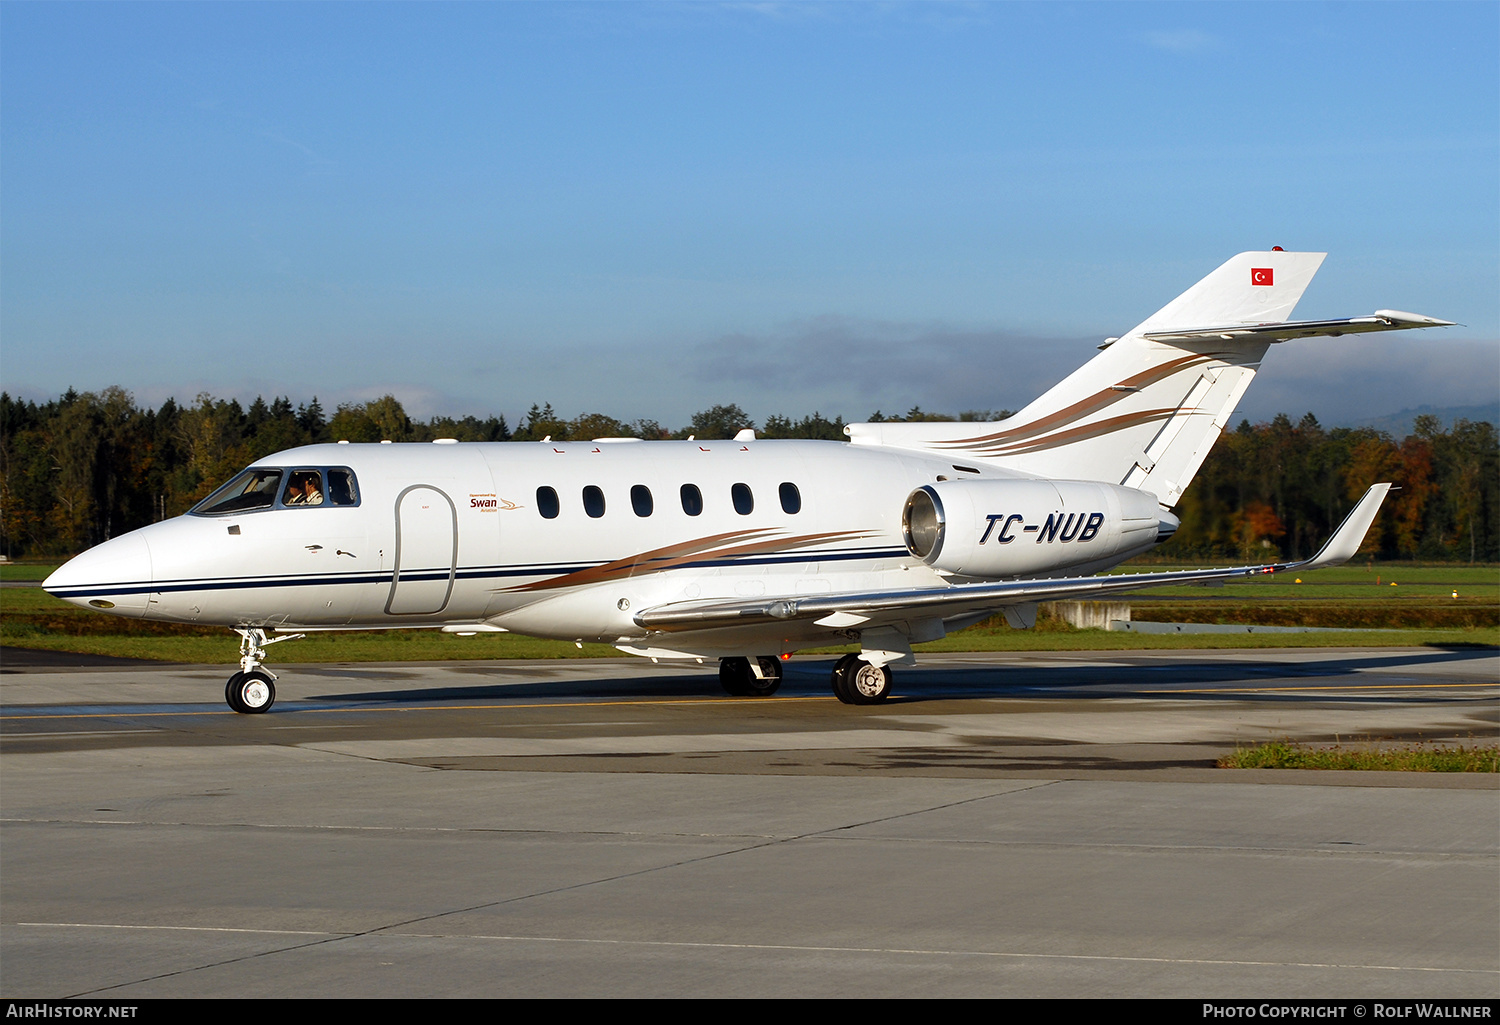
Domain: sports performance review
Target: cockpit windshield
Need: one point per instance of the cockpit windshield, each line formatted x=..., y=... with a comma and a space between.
x=253, y=489
x=296, y=488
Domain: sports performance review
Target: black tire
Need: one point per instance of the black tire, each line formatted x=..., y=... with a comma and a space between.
x=231, y=692
x=735, y=676
x=857, y=682
x=841, y=678
x=768, y=684
x=254, y=693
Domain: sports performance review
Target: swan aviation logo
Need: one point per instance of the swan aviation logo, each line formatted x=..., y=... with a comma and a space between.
x=1262, y=275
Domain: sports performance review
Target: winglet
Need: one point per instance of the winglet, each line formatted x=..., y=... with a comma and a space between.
x=1351, y=533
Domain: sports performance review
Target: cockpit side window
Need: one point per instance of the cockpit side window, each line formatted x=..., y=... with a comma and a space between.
x=342, y=489
x=251, y=490
x=303, y=487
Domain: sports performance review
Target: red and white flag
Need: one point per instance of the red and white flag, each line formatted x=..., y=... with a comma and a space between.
x=1262, y=275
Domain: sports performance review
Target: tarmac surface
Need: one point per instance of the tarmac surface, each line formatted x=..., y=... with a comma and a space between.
x=1009, y=824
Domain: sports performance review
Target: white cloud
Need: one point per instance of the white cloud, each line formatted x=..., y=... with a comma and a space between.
x=1182, y=40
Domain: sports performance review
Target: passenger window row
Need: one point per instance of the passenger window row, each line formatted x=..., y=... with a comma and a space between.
x=548, y=504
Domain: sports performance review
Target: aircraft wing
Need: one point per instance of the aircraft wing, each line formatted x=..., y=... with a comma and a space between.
x=1380, y=320
x=854, y=609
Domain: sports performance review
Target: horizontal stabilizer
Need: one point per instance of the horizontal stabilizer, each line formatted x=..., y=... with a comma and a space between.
x=1380, y=320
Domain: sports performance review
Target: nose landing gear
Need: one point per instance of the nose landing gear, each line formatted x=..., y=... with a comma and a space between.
x=252, y=690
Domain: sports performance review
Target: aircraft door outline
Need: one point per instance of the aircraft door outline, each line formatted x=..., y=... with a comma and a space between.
x=421, y=534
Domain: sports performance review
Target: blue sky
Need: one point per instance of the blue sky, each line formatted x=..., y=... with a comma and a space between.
x=644, y=209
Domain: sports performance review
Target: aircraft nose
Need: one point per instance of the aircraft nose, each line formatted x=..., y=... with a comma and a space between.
x=114, y=576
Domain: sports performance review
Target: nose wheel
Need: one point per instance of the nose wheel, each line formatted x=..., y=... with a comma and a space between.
x=252, y=690
x=250, y=693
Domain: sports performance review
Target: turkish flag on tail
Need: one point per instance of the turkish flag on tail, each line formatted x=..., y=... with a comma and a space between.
x=1262, y=275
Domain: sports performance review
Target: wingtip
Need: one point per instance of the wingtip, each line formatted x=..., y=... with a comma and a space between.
x=1345, y=542
x=1412, y=319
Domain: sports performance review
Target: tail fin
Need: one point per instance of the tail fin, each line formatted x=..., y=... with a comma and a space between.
x=1252, y=288
x=1145, y=411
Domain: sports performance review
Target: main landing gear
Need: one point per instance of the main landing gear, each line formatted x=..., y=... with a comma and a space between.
x=857, y=682
x=742, y=678
x=252, y=690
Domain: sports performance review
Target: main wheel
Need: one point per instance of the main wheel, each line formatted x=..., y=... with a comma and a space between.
x=870, y=684
x=735, y=676
x=769, y=682
x=840, y=680
x=857, y=682
x=251, y=693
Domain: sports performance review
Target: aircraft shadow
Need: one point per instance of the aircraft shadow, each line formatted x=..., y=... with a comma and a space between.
x=1154, y=676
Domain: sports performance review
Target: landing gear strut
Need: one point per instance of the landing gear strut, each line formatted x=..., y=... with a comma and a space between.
x=252, y=690
x=857, y=682
x=741, y=679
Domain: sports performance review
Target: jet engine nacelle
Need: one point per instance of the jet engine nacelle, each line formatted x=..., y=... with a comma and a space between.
x=1007, y=528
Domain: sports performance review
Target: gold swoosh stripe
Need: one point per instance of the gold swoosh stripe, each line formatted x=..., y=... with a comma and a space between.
x=1080, y=433
x=754, y=543
x=630, y=563
x=1084, y=407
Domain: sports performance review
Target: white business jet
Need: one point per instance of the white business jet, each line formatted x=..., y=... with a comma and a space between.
x=743, y=550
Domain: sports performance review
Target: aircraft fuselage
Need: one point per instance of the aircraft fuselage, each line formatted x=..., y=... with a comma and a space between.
x=570, y=539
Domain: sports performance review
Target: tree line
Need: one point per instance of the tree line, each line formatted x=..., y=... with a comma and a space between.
x=89, y=466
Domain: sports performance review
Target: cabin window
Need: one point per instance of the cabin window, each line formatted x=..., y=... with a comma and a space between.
x=303, y=487
x=547, y=503
x=692, y=499
x=253, y=489
x=791, y=499
x=640, y=500
x=342, y=489
x=593, y=501
x=744, y=501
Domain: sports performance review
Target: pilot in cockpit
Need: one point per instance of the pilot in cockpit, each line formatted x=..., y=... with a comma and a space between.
x=302, y=489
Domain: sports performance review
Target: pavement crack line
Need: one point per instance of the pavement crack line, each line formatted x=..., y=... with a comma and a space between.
x=936, y=807
x=485, y=905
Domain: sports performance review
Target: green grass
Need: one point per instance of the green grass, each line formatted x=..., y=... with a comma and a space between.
x=1354, y=597
x=1421, y=605
x=1414, y=758
x=1344, y=615
x=37, y=571
x=31, y=618
x=222, y=646
x=1411, y=580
